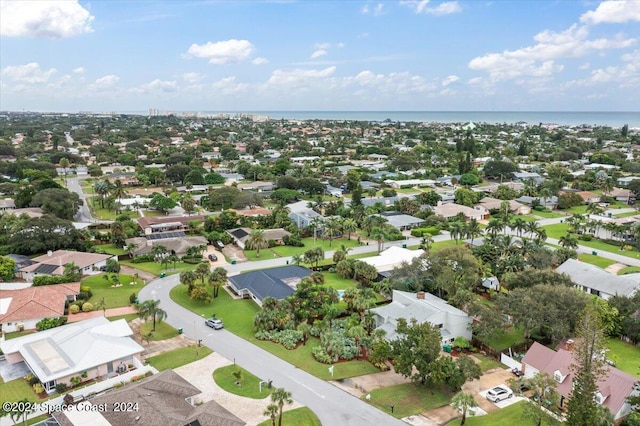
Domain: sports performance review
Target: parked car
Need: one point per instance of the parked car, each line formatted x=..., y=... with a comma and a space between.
x=213, y=257
x=517, y=372
x=219, y=244
x=499, y=393
x=214, y=323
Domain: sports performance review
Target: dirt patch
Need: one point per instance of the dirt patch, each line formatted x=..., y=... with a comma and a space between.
x=615, y=268
x=233, y=252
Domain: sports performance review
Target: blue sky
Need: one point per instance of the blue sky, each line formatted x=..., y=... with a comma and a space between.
x=319, y=55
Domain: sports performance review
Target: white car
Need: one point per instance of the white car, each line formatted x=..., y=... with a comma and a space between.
x=499, y=393
x=214, y=323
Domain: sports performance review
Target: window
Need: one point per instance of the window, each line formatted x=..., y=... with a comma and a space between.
x=557, y=375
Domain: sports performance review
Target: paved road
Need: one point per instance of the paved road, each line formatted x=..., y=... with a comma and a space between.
x=83, y=215
x=332, y=405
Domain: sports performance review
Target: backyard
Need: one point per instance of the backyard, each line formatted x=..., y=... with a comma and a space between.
x=507, y=338
x=309, y=243
x=625, y=355
x=114, y=297
x=407, y=399
x=238, y=318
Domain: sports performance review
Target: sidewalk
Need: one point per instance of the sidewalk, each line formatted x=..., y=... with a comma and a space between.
x=113, y=312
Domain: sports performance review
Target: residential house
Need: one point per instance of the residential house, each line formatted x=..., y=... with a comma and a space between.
x=596, y=281
x=391, y=258
x=22, y=309
x=176, y=242
x=448, y=180
x=451, y=210
x=525, y=176
x=252, y=211
x=401, y=221
x=548, y=202
x=493, y=187
x=150, y=225
x=614, y=387
x=53, y=263
x=625, y=181
x=588, y=197
x=7, y=204
x=256, y=186
x=302, y=215
x=97, y=347
x=410, y=183
x=514, y=206
x=424, y=307
x=276, y=282
x=241, y=235
x=333, y=191
x=162, y=399
x=623, y=195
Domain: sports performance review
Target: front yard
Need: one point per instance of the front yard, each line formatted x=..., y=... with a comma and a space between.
x=599, y=261
x=238, y=318
x=407, y=399
x=504, y=339
x=249, y=386
x=510, y=415
x=178, y=357
x=114, y=297
x=156, y=268
x=302, y=416
x=309, y=243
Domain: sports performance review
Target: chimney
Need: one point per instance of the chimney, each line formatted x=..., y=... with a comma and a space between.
x=420, y=295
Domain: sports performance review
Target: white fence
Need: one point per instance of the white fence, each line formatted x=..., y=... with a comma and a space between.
x=510, y=362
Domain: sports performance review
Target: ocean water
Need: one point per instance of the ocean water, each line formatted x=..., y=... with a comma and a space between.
x=591, y=118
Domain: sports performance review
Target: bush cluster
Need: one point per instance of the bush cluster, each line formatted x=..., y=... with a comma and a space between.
x=47, y=323
x=287, y=338
x=143, y=258
x=57, y=279
x=422, y=232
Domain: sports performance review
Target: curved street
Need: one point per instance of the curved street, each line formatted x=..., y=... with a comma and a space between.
x=332, y=405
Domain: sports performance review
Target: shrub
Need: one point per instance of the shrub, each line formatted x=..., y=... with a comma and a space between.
x=192, y=260
x=61, y=387
x=287, y=338
x=50, y=280
x=585, y=237
x=85, y=288
x=143, y=258
x=321, y=355
x=87, y=307
x=294, y=240
x=32, y=379
x=272, y=243
x=47, y=323
x=74, y=309
x=83, y=295
x=132, y=298
x=37, y=388
x=75, y=381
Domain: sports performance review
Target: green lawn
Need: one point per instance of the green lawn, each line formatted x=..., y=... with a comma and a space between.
x=487, y=363
x=163, y=330
x=510, y=415
x=332, y=279
x=599, y=261
x=249, y=384
x=286, y=251
x=14, y=334
x=556, y=230
x=127, y=317
x=438, y=245
x=154, y=213
x=302, y=416
x=17, y=390
x=582, y=209
x=178, y=357
x=629, y=270
x=625, y=355
x=238, y=318
x=547, y=214
x=408, y=399
x=114, y=297
x=111, y=249
x=507, y=338
x=99, y=213
x=628, y=214
x=559, y=230
x=156, y=268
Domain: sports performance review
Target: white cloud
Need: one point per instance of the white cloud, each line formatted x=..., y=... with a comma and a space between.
x=450, y=79
x=298, y=77
x=106, y=82
x=29, y=73
x=318, y=54
x=626, y=75
x=79, y=70
x=401, y=83
x=422, y=6
x=222, y=52
x=585, y=66
x=229, y=86
x=49, y=18
x=192, y=77
x=613, y=12
x=376, y=10
x=260, y=61
x=158, y=85
x=322, y=46
x=539, y=60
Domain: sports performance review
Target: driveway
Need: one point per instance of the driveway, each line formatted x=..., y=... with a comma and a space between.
x=222, y=261
x=483, y=384
x=505, y=402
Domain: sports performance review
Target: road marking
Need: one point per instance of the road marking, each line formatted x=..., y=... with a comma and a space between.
x=309, y=388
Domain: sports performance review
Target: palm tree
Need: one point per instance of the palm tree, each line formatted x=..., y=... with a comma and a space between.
x=545, y=194
x=158, y=251
x=378, y=233
x=568, y=241
x=256, y=241
x=349, y=225
x=280, y=397
x=519, y=225
x=102, y=188
x=315, y=223
x=462, y=401
x=297, y=259
x=130, y=248
x=118, y=192
x=271, y=411
x=150, y=309
x=494, y=227
x=188, y=278
x=473, y=229
x=202, y=271
x=330, y=229
x=357, y=332
x=456, y=230
x=216, y=279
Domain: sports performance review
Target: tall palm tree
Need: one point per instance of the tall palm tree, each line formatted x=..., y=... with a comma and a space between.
x=130, y=248
x=349, y=225
x=257, y=241
x=280, y=397
x=271, y=411
x=462, y=401
x=118, y=192
x=188, y=278
x=494, y=227
x=102, y=188
x=519, y=225
x=151, y=309
x=457, y=231
x=202, y=271
x=473, y=230
x=378, y=233
x=159, y=251
x=568, y=241
x=330, y=229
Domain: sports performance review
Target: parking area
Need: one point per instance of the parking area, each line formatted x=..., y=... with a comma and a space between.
x=221, y=259
x=505, y=402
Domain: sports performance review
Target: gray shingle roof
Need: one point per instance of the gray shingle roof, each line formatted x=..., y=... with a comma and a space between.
x=270, y=282
x=592, y=277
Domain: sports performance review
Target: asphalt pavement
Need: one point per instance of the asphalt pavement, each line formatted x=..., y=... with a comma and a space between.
x=332, y=405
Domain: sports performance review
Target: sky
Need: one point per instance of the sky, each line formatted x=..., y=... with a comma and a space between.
x=306, y=55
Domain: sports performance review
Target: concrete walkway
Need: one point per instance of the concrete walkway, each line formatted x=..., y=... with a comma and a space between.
x=200, y=374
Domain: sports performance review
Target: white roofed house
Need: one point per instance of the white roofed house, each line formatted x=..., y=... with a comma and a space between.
x=97, y=347
x=424, y=307
x=599, y=282
x=391, y=258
